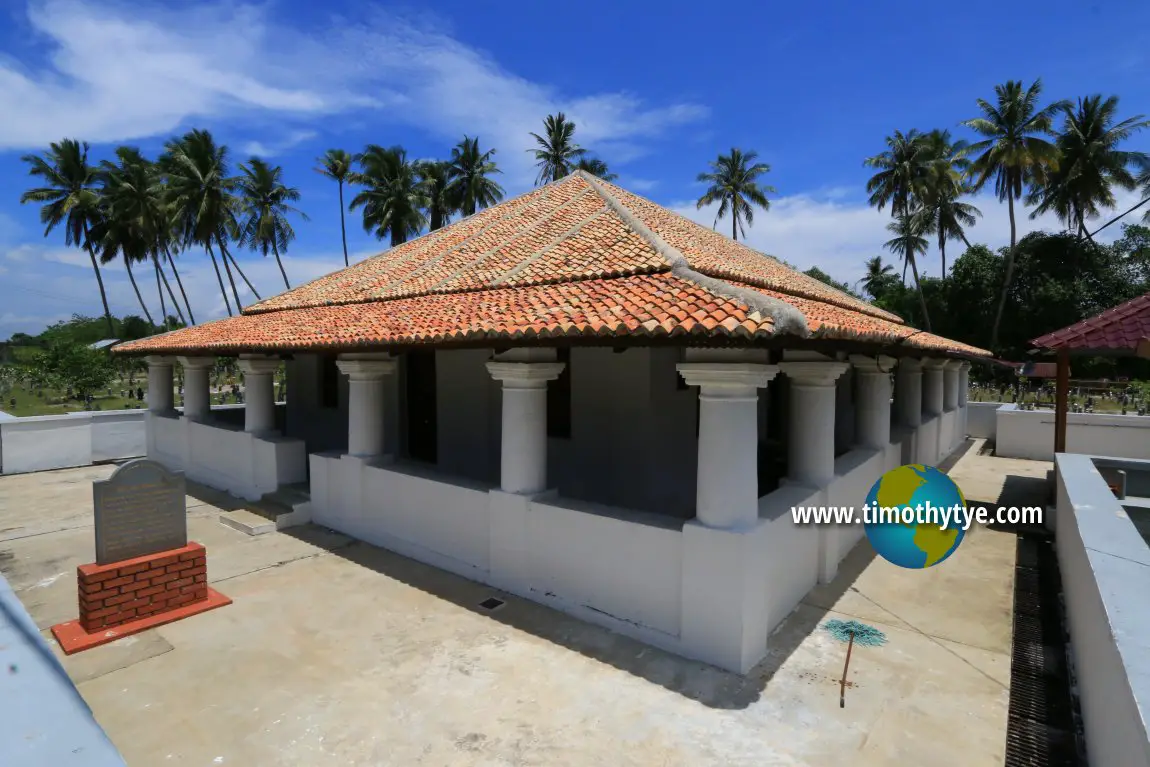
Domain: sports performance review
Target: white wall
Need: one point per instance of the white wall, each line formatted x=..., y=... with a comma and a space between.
x=982, y=419
x=41, y=443
x=1105, y=566
x=1030, y=434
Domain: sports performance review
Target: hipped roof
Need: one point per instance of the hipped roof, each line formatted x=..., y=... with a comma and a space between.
x=1123, y=329
x=576, y=258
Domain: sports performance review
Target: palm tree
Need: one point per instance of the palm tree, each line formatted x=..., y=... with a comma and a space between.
x=876, y=277
x=435, y=179
x=1013, y=152
x=393, y=200
x=1090, y=163
x=734, y=186
x=69, y=199
x=202, y=194
x=470, y=187
x=336, y=164
x=264, y=210
x=117, y=236
x=596, y=167
x=942, y=188
x=909, y=242
x=557, y=152
x=904, y=170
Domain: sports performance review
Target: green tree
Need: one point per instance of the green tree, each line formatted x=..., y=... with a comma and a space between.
x=1090, y=163
x=734, y=184
x=905, y=171
x=909, y=242
x=471, y=187
x=1014, y=153
x=826, y=279
x=596, y=167
x=878, y=279
x=944, y=185
x=76, y=367
x=556, y=153
x=263, y=223
x=68, y=199
x=435, y=179
x=336, y=164
x=393, y=200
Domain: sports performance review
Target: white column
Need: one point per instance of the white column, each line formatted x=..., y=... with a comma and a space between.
x=523, y=453
x=365, y=374
x=950, y=385
x=932, y=387
x=259, y=398
x=872, y=407
x=811, y=452
x=727, y=492
x=197, y=397
x=160, y=396
x=963, y=392
x=908, y=392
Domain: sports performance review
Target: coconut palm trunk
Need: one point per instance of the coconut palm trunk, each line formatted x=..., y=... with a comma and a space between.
x=228, y=271
x=175, y=271
x=135, y=287
x=160, y=293
x=229, y=257
x=918, y=288
x=171, y=295
x=342, y=226
x=220, y=279
x=99, y=282
x=1007, y=276
x=276, y=252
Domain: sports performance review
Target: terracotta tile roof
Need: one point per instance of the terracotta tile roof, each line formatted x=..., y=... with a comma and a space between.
x=573, y=258
x=1121, y=328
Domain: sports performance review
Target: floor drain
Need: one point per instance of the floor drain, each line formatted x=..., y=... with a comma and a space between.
x=491, y=603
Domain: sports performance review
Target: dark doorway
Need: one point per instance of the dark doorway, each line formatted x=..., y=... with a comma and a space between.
x=422, y=435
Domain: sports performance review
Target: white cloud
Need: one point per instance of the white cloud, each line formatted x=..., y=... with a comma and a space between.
x=638, y=184
x=271, y=149
x=838, y=235
x=220, y=60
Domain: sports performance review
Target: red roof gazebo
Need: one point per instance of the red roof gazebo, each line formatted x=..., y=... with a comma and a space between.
x=1122, y=331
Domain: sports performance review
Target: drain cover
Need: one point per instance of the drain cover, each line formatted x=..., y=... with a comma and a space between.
x=491, y=603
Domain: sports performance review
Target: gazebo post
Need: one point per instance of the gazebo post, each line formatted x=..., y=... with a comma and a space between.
x=1061, y=395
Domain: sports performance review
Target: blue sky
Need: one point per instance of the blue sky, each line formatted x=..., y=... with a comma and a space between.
x=656, y=89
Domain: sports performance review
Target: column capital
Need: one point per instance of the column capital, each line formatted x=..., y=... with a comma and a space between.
x=964, y=366
x=159, y=360
x=197, y=362
x=365, y=367
x=952, y=364
x=257, y=364
x=524, y=375
x=812, y=373
x=880, y=365
x=910, y=364
x=934, y=363
x=731, y=377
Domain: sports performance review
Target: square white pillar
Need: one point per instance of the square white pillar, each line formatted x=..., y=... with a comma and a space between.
x=811, y=432
x=872, y=407
x=727, y=494
x=365, y=374
x=197, y=396
x=523, y=452
x=160, y=394
x=259, y=398
x=950, y=385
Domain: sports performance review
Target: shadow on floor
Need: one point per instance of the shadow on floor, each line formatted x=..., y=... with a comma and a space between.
x=1019, y=491
x=695, y=680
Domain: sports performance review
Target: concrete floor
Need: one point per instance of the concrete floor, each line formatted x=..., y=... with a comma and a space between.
x=340, y=653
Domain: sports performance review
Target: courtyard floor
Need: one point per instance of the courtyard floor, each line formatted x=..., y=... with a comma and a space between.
x=340, y=653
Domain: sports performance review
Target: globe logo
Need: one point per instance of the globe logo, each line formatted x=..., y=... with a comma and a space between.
x=904, y=539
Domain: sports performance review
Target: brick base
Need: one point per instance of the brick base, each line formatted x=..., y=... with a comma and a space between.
x=123, y=598
x=116, y=593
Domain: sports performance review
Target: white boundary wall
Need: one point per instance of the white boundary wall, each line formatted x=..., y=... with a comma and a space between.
x=226, y=457
x=679, y=586
x=1030, y=434
x=1105, y=568
x=42, y=443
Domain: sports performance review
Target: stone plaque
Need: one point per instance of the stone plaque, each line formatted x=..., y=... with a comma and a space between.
x=140, y=510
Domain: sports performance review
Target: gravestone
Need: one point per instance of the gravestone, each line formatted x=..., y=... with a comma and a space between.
x=140, y=510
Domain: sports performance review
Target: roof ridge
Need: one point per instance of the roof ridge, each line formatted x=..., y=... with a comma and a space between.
x=787, y=318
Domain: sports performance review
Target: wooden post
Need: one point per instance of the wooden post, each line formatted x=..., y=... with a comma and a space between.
x=1061, y=399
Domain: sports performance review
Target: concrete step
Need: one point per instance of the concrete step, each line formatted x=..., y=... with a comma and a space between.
x=248, y=522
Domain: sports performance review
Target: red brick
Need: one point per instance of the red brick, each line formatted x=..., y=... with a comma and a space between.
x=136, y=604
x=151, y=590
x=201, y=561
x=175, y=568
x=180, y=583
x=119, y=599
x=200, y=577
x=165, y=561
x=189, y=555
x=120, y=617
x=154, y=572
x=102, y=613
x=117, y=582
x=100, y=596
x=165, y=578
x=95, y=577
x=179, y=600
x=90, y=588
x=133, y=569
